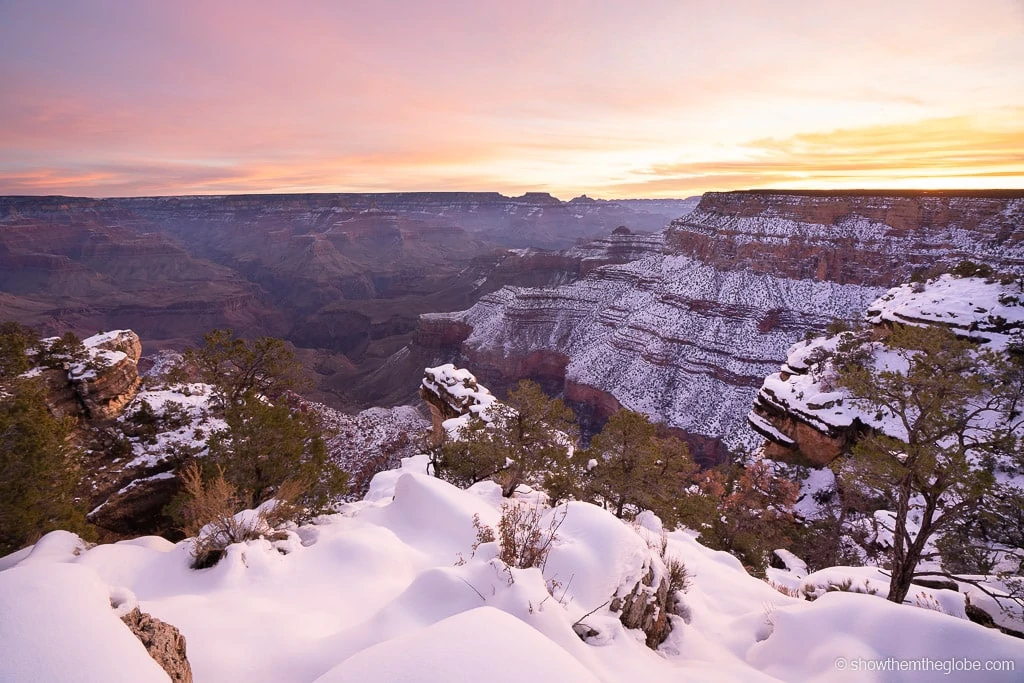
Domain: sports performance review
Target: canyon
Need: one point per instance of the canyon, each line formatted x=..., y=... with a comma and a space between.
x=674, y=308
x=342, y=276
x=686, y=329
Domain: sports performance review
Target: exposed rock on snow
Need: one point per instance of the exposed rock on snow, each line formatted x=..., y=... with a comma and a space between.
x=163, y=642
x=647, y=607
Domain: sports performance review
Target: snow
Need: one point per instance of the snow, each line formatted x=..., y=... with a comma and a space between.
x=104, y=338
x=57, y=626
x=482, y=642
x=794, y=565
x=193, y=403
x=977, y=308
x=796, y=650
x=378, y=592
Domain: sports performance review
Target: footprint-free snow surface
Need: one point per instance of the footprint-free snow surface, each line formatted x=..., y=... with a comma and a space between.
x=390, y=589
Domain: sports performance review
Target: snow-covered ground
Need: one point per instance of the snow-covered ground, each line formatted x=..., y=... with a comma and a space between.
x=377, y=593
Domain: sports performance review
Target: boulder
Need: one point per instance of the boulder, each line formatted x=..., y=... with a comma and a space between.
x=163, y=642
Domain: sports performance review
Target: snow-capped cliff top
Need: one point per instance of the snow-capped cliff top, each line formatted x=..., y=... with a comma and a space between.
x=459, y=389
x=985, y=310
x=982, y=309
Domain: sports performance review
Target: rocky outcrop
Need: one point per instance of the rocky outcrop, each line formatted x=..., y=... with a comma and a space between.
x=808, y=421
x=138, y=507
x=163, y=642
x=648, y=607
x=453, y=395
x=101, y=383
x=110, y=379
x=687, y=332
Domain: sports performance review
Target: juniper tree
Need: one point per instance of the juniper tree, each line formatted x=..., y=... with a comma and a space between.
x=236, y=367
x=270, y=440
x=15, y=342
x=267, y=444
x=743, y=509
x=946, y=405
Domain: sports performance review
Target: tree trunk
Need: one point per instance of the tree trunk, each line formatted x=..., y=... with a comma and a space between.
x=903, y=572
x=902, y=568
x=509, y=488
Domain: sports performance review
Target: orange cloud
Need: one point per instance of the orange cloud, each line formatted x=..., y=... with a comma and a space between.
x=937, y=153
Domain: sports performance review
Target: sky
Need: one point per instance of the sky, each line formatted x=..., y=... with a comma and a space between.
x=647, y=98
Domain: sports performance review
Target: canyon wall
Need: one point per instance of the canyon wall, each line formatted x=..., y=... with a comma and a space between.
x=342, y=276
x=687, y=331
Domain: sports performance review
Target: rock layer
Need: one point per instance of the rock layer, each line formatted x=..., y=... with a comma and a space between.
x=342, y=276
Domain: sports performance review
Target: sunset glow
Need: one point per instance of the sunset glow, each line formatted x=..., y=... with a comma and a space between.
x=647, y=98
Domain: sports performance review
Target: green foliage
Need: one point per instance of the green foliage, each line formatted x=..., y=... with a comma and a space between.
x=237, y=367
x=637, y=469
x=972, y=269
x=838, y=326
x=271, y=448
x=15, y=342
x=528, y=436
x=267, y=444
x=39, y=469
x=743, y=510
x=61, y=350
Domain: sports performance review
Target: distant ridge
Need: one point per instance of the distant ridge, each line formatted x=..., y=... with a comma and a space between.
x=992, y=194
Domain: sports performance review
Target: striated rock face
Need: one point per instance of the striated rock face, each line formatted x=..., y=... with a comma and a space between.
x=163, y=642
x=104, y=392
x=852, y=237
x=686, y=332
x=342, y=276
x=100, y=385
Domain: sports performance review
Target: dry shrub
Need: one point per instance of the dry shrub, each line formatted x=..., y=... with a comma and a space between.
x=786, y=590
x=524, y=542
x=678, y=576
x=209, y=514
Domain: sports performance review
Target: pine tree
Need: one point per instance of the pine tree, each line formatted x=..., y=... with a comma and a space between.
x=528, y=436
x=636, y=467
